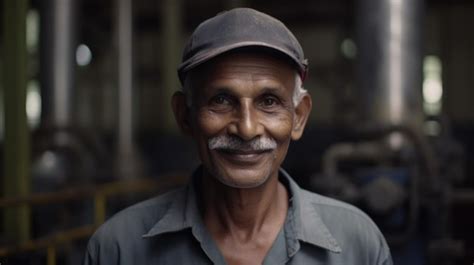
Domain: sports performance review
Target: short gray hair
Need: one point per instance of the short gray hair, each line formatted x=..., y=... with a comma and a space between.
x=298, y=91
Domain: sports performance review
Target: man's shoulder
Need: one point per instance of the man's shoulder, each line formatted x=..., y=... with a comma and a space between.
x=134, y=221
x=329, y=207
x=354, y=231
x=344, y=221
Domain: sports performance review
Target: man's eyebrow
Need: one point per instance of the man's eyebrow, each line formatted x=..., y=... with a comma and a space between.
x=271, y=90
x=220, y=89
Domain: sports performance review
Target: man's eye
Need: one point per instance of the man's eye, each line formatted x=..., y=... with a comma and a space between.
x=220, y=100
x=269, y=101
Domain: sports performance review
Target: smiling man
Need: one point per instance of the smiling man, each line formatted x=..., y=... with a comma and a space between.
x=242, y=103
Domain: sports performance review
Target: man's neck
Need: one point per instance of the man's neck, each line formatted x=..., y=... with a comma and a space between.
x=244, y=222
x=244, y=214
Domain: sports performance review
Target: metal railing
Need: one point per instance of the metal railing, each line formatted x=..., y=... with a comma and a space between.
x=100, y=195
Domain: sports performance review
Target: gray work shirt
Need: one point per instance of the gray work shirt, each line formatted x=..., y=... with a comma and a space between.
x=169, y=229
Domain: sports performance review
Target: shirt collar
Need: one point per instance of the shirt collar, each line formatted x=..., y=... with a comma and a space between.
x=181, y=213
x=303, y=222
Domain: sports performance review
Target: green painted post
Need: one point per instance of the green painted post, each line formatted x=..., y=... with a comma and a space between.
x=171, y=19
x=16, y=179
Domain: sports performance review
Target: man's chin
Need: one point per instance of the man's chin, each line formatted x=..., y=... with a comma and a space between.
x=243, y=178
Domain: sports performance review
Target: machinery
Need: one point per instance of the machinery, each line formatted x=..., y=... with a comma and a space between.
x=391, y=169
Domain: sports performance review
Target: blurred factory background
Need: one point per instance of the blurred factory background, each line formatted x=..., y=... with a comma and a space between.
x=87, y=129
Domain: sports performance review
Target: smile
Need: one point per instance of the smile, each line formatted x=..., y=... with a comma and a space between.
x=243, y=157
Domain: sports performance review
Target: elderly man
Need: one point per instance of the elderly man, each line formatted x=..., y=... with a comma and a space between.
x=242, y=103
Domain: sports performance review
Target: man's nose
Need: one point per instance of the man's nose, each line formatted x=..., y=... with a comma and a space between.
x=246, y=123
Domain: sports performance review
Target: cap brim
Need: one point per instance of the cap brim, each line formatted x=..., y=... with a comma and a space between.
x=205, y=56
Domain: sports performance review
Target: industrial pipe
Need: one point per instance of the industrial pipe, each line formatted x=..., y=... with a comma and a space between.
x=389, y=70
x=57, y=60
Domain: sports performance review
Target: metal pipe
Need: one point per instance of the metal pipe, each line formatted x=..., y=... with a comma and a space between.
x=389, y=68
x=58, y=43
x=100, y=208
x=51, y=255
x=427, y=173
x=171, y=36
x=16, y=178
x=165, y=182
x=350, y=151
x=128, y=162
x=125, y=74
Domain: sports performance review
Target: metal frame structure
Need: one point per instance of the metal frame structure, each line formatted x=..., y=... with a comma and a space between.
x=100, y=196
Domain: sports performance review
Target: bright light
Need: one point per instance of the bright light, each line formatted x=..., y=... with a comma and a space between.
x=432, y=91
x=348, y=48
x=432, y=85
x=83, y=55
x=33, y=104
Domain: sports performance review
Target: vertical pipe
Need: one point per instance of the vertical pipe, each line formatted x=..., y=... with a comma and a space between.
x=389, y=34
x=51, y=255
x=127, y=164
x=100, y=208
x=125, y=75
x=17, y=139
x=172, y=42
x=58, y=42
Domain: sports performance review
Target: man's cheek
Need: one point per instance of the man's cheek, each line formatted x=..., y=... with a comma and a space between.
x=279, y=127
x=210, y=123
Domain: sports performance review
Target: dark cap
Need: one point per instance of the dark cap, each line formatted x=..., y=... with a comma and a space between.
x=240, y=28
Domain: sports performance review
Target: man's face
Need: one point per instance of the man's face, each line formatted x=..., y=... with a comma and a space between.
x=242, y=117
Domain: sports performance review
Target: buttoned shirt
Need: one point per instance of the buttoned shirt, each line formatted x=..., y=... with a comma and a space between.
x=169, y=229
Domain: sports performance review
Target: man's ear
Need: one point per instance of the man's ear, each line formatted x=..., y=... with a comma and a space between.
x=181, y=112
x=302, y=111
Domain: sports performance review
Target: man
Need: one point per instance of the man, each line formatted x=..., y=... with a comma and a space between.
x=242, y=102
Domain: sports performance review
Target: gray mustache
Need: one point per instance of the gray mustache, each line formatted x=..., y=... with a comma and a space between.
x=235, y=143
